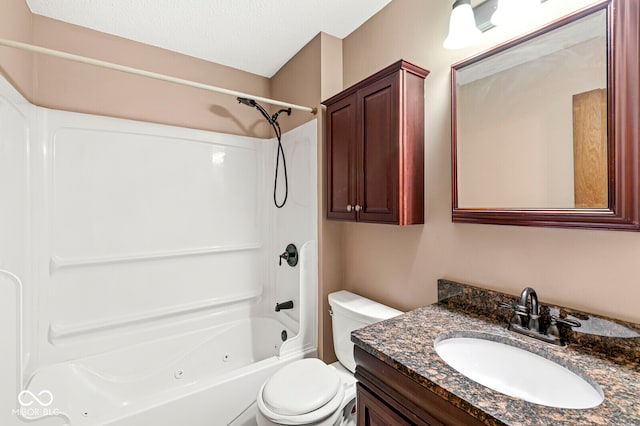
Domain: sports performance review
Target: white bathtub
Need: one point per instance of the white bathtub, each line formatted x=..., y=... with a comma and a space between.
x=210, y=377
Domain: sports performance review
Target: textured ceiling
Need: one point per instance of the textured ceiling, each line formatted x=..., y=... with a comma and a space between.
x=258, y=36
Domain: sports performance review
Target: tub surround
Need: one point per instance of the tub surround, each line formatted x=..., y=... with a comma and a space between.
x=131, y=278
x=603, y=349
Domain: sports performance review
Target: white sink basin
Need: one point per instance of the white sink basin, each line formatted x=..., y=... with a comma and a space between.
x=518, y=373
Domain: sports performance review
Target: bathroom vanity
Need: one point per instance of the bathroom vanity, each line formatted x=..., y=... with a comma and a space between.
x=387, y=397
x=403, y=380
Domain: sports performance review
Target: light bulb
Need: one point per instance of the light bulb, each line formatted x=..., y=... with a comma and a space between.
x=462, y=26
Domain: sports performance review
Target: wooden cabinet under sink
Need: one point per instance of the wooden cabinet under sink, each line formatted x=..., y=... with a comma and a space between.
x=386, y=397
x=375, y=148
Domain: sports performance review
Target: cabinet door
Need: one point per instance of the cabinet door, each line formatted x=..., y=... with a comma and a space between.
x=341, y=159
x=378, y=156
x=374, y=412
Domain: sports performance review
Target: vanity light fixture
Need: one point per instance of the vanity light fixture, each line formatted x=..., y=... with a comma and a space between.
x=463, y=31
x=468, y=23
x=515, y=12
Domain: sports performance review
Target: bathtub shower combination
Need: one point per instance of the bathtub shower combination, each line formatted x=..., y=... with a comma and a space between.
x=139, y=268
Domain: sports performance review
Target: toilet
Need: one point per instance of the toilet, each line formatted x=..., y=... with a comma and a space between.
x=310, y=392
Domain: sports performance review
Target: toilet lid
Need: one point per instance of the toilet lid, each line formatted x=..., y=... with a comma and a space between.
x=301, y=387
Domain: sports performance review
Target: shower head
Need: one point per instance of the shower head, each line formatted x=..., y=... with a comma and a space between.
x=247, y=102
x=252, y=103
x=273, y=119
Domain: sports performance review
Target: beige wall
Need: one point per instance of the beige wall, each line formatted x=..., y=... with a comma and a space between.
x=59, y=84
x=312, y=75
x=77, y=87
x=298, y=82
x=597, y=271
x=16, y=66
x=515, y=129
x=331, y=250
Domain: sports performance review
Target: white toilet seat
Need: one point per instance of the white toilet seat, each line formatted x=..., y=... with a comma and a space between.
x=321, y=406
x=301, y=387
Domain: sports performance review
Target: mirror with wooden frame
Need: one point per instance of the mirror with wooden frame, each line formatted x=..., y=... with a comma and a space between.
x=545, y=127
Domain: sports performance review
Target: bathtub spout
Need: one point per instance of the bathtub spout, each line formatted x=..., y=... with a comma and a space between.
x=284, y=305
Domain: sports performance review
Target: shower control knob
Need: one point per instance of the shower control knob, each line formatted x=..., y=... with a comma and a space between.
x=349, y=208
x=358, y=207
x=290, y=255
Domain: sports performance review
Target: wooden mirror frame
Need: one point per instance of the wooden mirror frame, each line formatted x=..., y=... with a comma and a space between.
x=623, y=123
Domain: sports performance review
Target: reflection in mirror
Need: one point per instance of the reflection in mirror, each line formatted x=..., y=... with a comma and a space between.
x=531, y=122
x=545, y=127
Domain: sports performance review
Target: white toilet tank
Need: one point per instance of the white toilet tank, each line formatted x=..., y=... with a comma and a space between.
x=351, y=312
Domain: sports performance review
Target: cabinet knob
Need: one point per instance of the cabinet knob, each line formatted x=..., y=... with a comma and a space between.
x=349, y=208
x=358, y=207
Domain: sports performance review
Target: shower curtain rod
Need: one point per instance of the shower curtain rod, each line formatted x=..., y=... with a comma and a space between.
x=154, y=75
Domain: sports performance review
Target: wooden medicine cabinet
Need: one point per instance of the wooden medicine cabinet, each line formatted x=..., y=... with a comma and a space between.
x=375, y=148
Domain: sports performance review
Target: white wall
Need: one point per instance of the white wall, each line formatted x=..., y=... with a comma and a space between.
x=141, y=224
x=15, y=128
x=296, y=222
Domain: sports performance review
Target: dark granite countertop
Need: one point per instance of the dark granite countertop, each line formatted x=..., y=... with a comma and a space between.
x=606, y=351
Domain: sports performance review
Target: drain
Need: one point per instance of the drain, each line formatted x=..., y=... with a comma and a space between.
x=85, y=414
x=178, y=374
x=283, y=335
x=226, y=358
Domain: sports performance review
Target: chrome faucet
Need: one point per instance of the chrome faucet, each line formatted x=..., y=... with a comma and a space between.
x=526, y=320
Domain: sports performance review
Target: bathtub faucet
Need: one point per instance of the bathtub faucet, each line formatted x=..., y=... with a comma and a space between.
x=284, y=305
